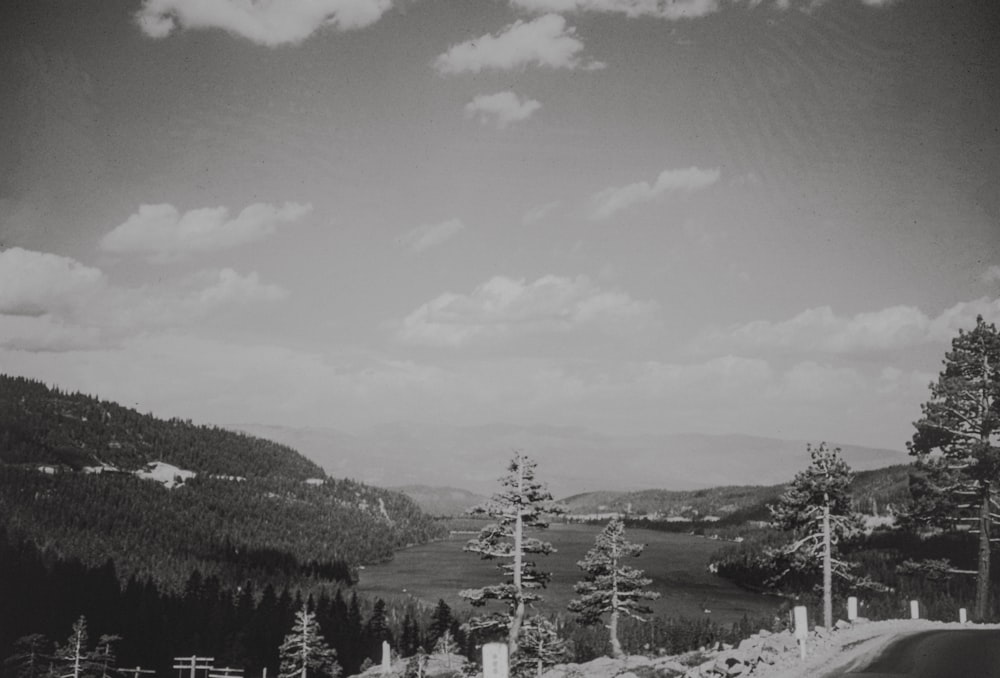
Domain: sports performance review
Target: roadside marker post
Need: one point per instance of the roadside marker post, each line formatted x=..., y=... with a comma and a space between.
x=386, y=657
x=914, y=609
x=852, y=609
x=963, y=616
x=801, y=628
x=495, y=661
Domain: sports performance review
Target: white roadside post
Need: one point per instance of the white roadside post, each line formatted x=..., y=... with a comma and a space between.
x=852, y=609
x=914, y=609
x=495, y=663
x=386, y=657
x=963, y=616
x=801, y=629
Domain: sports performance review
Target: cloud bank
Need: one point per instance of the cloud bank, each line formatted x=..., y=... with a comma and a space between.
x=544, y=41
x=161, y=232
x=269, y=23
x=822, y=330
x=430, y=235
x=663, y=9
x=503, y=307
x=610, y=201
x=502, y=108
x=54, y=303
x=36, y=283
x=670, y=10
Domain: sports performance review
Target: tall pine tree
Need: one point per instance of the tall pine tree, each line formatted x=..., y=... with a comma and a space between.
x=611, y=586
x=521, y=504
x=31, y=657
x=816, y=508
x=962, y=422
x=75, y=658
x=304, y=651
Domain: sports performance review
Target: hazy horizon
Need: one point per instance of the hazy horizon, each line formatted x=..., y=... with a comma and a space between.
x=765, y=217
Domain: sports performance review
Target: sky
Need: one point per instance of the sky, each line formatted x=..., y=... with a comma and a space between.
x=721, y=216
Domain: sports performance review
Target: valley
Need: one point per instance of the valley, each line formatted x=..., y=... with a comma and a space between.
x=677, y=564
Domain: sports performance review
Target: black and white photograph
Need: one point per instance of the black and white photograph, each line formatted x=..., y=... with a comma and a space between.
x=499, y=338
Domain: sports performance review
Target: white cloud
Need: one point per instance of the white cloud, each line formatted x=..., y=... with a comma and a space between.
x=663, y=9
x=992, y=274
x=35, y=283
x=820, y=329
x=47, y=333
x=429, y=235
x=670, y=10
x=609, y=201
x=162, y=232
x=501, y=108
x=230, y=287
x=544, y=41
x=54, y=303
x=267, y=22
x=539, y=212
x=503, y=307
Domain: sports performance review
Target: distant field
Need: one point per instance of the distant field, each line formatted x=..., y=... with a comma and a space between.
x=675, y=562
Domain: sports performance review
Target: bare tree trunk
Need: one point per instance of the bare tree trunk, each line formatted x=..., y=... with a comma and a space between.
x=76, y=658
x=983, y=571
x=827, y=570
x=616, y=645
x=515, y=623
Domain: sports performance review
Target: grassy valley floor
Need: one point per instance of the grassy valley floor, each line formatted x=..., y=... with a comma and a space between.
x=677, y=564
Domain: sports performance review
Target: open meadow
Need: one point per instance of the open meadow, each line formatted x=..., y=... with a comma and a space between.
x=677, y=564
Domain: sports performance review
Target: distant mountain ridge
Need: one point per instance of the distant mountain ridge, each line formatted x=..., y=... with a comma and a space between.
x=873, y=491
x=571, y=460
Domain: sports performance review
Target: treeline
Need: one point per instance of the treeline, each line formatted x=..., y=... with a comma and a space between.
x=266, y=529
x=890, y=557
x=239, y=627
x=41, y=425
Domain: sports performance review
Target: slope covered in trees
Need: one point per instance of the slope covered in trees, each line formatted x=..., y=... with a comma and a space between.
x=248, y=513
x=42, y=425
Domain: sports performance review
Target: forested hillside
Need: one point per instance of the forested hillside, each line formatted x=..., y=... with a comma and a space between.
x=253, y=510
x=42, y=425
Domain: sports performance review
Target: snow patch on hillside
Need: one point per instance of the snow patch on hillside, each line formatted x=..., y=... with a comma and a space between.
x=169, y=475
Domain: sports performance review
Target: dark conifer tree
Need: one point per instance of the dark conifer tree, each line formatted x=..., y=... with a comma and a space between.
x=962, y=421
x=32, y=657
x=521, y=505
x=612, y=587
x=816, y=508
x=409, y=639
x=441, y=621
x=376, y=631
